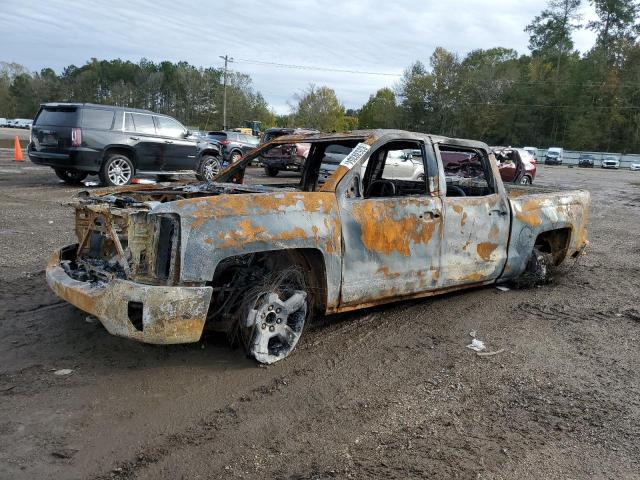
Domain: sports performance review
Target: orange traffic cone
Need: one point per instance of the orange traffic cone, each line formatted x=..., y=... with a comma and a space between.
x=17, y=151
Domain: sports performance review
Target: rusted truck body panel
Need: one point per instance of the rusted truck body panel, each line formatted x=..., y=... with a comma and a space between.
x=161, y=248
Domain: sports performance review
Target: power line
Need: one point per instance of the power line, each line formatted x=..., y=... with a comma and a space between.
x=310, y=67
x=468, y=80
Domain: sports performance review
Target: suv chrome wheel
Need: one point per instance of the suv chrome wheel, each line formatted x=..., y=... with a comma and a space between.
x=209, y=168
x=119, y=172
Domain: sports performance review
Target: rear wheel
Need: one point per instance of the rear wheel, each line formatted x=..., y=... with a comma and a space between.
x=271, y=171
x=235, y=156
x=117, y=170
x=70, y=176
x=538, y=271
x=208, y=169
x=526, y=180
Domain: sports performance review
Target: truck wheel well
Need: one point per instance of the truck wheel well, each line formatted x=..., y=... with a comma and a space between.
x=234, y=274
x=555, y=242
x=121, y=150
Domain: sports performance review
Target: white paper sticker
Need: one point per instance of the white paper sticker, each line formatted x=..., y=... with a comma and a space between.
x=356, y=154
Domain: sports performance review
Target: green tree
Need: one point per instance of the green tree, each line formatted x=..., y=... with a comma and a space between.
x=319, y=107
x=380, y=111
x=550, y=32
x=615, y=26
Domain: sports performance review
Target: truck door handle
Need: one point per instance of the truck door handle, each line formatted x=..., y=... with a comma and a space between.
x=134, y=138
x=431, y=214
x=502, y=213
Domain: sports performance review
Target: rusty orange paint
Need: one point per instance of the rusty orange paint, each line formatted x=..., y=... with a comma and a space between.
x=530, y=213
x=388, y=273
x=384, y=234
x=332, y=182
x=246, y=233
x=485, y=249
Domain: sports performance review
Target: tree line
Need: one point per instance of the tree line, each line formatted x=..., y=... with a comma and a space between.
x=191, y=94
x=552, y=95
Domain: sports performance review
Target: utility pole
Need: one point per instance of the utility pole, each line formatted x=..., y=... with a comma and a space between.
x=226, y=59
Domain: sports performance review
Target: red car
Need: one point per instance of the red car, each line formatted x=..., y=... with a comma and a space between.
x=516, y=165
x=285, y=157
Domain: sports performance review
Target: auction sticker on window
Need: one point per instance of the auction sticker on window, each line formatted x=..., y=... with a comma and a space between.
x=356, y=154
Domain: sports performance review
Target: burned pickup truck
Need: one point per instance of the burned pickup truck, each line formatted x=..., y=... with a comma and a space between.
x=159, y=263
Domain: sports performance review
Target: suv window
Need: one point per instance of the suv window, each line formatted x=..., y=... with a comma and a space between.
x=138, y=122
x=217, y=135
x=58, y=116
x=97, y=118
x=169, y=127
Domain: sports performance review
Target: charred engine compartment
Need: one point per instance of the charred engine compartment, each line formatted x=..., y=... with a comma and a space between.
x=119, y=236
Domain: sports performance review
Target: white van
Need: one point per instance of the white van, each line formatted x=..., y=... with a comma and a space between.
x=554, y=156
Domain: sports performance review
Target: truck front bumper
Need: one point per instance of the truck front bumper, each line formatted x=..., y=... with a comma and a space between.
x=147, y=313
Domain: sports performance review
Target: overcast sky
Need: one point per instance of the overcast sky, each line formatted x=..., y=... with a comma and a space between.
x=361, y=35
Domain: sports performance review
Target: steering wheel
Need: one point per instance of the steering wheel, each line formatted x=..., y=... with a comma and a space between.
x=456, y=189
x=381, y=188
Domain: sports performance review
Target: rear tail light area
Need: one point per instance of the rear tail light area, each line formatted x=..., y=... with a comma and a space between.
x=76, y=137
x=224, y=142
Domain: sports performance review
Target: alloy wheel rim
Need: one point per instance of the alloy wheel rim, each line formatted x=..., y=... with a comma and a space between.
x=119, y=172
x=277, y=325
x=211, y=169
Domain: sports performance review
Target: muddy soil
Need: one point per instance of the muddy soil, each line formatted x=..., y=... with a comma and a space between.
x=390, y=392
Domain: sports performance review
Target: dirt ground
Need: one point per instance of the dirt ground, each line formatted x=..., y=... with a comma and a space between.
x=390, y=392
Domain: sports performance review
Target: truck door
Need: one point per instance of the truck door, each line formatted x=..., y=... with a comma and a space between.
x=476, y=219
x=391, y=228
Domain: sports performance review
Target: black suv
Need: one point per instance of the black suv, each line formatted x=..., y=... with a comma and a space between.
x=78, y=139
x=235, y=145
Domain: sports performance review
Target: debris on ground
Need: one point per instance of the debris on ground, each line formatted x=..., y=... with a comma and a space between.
x=64, y=452
x=479, y=347
x=476, y=345
x=63, y=371
x=502, y=288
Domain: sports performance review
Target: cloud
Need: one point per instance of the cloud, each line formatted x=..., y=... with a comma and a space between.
x=355, y=35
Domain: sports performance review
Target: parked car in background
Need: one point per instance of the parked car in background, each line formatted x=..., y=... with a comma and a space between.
x=78, y=139
x=586, y=160
x=554, y=156
x=610, y=161
x=635, y=167
x=24, y=123
x=516, y=165
x=3, y=122
x=235, y=145
x=19, y=123
x=284, y=157
x=533, y=151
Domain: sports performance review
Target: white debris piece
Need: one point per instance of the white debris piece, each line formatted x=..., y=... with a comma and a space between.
x=63, y=371
x=502, y=288
x=476, y=345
